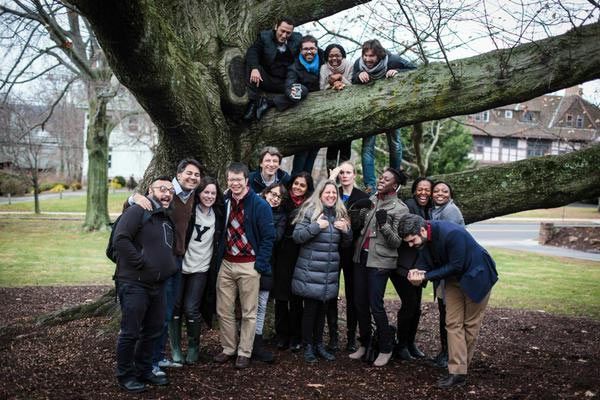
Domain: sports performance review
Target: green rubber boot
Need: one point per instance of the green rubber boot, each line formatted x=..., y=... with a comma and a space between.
x=193, y=334
x=175, y=339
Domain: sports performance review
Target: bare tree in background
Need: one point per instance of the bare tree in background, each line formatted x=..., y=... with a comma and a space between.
x=42, y=37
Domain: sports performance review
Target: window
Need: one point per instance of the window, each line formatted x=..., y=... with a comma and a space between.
x=508, y=114
x=579, y=121
x=528, y=116
x=132, y=124
x=480, y=143
x=482, y=116
x=537, y=148
x=569, y=120
x=509, y=143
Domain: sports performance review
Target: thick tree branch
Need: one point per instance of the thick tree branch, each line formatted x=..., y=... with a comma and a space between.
x=541, y=182
x=428, y=93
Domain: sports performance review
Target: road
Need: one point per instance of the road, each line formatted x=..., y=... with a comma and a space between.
x=521, y=236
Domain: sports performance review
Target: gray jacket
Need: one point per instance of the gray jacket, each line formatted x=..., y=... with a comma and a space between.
x=448, y=212
x=383, y=240
x=316, y=272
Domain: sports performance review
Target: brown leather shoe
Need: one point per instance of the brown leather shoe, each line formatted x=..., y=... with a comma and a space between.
x=242, y=362
x=222, y=358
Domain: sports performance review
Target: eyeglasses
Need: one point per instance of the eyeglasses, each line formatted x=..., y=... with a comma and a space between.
x=335, y=56
x=309, y=49
x=277, y=196
x=165, y=189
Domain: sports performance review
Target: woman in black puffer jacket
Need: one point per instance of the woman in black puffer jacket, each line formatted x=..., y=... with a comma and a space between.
x=322, y=225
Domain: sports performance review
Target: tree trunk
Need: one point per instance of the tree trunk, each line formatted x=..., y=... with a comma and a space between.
x=98, y=133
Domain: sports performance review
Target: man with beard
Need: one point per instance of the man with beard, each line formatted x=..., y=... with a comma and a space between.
x=267, y=61
x=269, y=171
x=187, y=180
x=449, y=252
x=376, y=63
x=145, y=260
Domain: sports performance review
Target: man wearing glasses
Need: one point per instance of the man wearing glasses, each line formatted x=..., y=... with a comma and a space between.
x=184, y=184
x=267, y=61
x=245, y=253
x=302, y=77
x=145, y=261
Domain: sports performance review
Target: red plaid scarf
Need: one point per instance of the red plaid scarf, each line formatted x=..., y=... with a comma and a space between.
x=238, y=247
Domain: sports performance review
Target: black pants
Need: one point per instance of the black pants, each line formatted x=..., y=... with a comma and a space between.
x=410, y=311
x=270, y=84
x=190, y=294
x=143, y=310
x=288, y=319
x=332, y=310
x=344, y=149
x=313, y=321
x=443, y=332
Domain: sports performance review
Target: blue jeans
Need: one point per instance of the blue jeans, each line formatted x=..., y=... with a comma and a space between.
x=170, y=293
x=142, y=319
x=304, y=161
x=368, y=155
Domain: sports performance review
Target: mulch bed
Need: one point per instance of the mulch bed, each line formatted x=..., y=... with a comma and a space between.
x=521, y=355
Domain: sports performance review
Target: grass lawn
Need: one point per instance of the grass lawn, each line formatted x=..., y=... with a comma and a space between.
x=53, y=252
x=69, y=204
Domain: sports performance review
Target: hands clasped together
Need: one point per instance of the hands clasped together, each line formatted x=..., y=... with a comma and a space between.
x=342, y=224
x=416, y=276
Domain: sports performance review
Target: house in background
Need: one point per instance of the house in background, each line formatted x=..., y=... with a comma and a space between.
x=131, y=143
x=548, y=124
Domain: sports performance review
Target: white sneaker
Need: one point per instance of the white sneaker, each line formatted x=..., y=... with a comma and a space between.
x=357, y=355
x=156, y=371
x=166, y=363
x=382, y=359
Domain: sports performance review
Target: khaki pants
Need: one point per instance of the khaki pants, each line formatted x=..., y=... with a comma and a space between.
x=234, y=279
x=463, y=320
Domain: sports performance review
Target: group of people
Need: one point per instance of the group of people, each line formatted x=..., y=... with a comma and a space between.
x=186, y=251
x=284, y=66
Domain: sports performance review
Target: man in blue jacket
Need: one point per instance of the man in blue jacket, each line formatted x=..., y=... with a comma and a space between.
x=144, y=244
x=449, y=252
x=244, y=254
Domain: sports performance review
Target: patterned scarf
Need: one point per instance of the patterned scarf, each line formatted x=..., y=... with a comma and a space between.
x=378, y=71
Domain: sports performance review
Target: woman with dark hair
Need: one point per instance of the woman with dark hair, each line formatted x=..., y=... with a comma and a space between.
x=288, y=307
x=322, y=226
x=273, y=194
x=336, y=74
x=196, y=297
x=410, y=295
x=443, y=209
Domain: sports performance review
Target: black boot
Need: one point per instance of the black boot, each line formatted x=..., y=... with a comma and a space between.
x=453, y=380
x=351, y=344
x=441, y=360
x=262, y=106
x=250, y=112
x=309, y=354
x=193, y=334
x=415, y=351
x=403, y=353
x=324, y=353
x=259, y=353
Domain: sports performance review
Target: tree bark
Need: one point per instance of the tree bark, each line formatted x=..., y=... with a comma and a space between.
x=182, y=61
x=98, y=132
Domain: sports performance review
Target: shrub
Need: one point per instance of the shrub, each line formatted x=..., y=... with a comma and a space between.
x=131, y=183
x=120, y=180
x=115, y=184
x=59, y=187
x=76, y=186
x=13, y=185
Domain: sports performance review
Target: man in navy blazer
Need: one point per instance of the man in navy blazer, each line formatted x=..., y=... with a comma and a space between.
x=449, y=252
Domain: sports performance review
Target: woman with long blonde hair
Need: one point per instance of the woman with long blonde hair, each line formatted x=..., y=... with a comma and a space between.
x=322, y=225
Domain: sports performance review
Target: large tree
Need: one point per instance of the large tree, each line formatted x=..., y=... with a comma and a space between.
x=184, y=62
